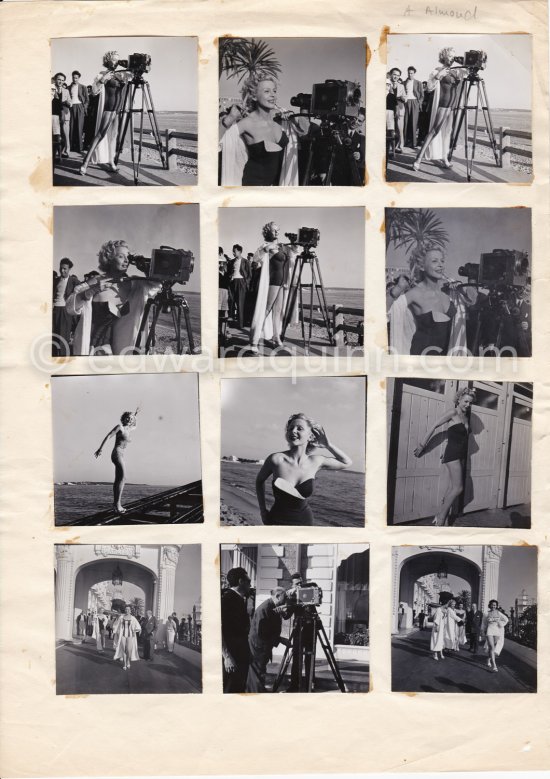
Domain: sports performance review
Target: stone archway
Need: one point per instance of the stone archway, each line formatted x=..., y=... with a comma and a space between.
x=94, y=572
x=477, y=565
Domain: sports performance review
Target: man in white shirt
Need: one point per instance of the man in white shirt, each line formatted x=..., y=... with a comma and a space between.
x=79, y=105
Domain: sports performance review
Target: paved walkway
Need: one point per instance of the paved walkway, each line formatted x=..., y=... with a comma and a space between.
x=517, y=517
x=414, y=669
x=151, y=173
x=354, y=674
x=81, y=670
x=484, y=169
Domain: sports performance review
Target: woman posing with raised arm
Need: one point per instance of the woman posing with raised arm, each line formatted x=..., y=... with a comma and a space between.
x=294, y=471
x=456, y=451
x=492, y=627
x=110, y=88
x=277, y=263
x=444, y=82
x=122, y=438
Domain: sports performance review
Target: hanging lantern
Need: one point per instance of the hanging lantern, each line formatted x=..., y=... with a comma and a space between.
x=442, y=571
x=117, y=578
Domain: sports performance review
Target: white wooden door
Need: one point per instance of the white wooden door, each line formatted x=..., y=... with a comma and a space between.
x=419, y=483
x=518, y=489
x=485, y=447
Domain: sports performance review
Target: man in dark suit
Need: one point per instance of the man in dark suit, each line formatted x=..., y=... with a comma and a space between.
x=79, y=106
x=61, y=108
x=62, y=322
x=235, y=627
x=148, y=631
x=414, y=95
x=265, y=633
x=474, y=619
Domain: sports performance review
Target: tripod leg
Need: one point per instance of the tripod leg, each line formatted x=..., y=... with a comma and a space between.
x=176, y=319
x=151, y=338
x=292, y=293
x=301, y=313
x=154, y=124
x=144, y=320
x=329, y=654
x=323, y=302
x=488, y=119
x=312, y=656
x=190, y=337
x=132, y=149
x=307, y=172
x=467, y=155
x=330, y=169
x=457, y=119
x=140, y=143
x=287, y=657
x=127, y=103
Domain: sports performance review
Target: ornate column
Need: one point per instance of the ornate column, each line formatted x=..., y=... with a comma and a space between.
x=489, y=576
x=63, y=592
x=169, y=555
x=395, y=588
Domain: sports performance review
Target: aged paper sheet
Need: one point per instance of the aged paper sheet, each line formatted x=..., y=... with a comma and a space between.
x=48, y=735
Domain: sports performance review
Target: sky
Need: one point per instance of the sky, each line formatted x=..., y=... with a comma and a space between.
x=174, y=65
x=473, y=231
x=507, y=75
x=308, y=61
x=255, y=413
x=80, y=231
x=341, y=248
x=165, y=445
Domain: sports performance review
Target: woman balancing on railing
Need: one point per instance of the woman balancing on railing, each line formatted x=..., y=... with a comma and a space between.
x=110, y=88
x=294, y=471
x=128, y=422
x=444, y=82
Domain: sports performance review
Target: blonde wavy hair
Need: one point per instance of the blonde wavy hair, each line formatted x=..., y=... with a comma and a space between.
x=108, y=252
x=108, y=57
x=418, y=256
x=445, y=54
x=250, y=87
x=311, y=424
x=464, y=391
x=267, y=230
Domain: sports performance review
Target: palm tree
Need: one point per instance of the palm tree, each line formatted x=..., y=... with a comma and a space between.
x=137, y=604
x=412, y=228
x=465, y=597
x=241, y=57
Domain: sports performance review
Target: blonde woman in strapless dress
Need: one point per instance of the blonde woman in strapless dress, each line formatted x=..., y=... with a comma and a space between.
x=294, y=472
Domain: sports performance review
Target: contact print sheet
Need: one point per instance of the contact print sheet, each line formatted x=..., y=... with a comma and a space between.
x=320, y=472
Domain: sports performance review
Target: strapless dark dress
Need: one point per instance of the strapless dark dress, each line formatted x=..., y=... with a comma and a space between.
x=457, y=443
x=288, y=510
x=432, y=337
x=263, y=167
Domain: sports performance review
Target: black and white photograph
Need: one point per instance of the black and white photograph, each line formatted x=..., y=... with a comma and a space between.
x=458, y=108
x=292, y=112
x=128, y=619
x=293, y=451
x=291, y=281
x=459, y=453
x=458, y=281
x=126, y=449
x=295, y=618
x=124, y=111
x=126, y=280
x=464, y=619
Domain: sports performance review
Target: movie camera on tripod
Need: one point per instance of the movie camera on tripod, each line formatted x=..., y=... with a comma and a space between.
x=336, y=104
x=473, y=61
x=169, y=266
x=302, y=602
x=498, y=315
x=308, y=238
x=137, y=64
